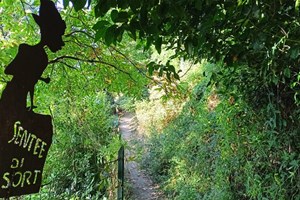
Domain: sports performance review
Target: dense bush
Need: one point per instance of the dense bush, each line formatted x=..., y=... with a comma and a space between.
x=222, y=146
x=82, y=161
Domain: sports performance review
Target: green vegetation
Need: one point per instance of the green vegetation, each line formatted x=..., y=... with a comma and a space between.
x=219, y=147
x=229, y=129
x=85, y=77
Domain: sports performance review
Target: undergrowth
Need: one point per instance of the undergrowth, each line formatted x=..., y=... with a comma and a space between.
x=222, y=146
x=82, y=161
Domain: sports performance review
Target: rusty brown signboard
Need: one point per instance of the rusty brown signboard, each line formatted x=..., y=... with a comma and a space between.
x=26, y=136
x=23, y=153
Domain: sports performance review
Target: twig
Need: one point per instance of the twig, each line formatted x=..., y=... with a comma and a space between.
x=24, y=9
x=187, y=70
x=79, y=31
x=126, y=57
x=117, y=62
x=58, y=59
x=62, y=62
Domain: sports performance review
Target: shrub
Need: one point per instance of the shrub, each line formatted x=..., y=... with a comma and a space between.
x=223, y=147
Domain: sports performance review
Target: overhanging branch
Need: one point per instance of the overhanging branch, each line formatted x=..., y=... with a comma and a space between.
x=61, y=58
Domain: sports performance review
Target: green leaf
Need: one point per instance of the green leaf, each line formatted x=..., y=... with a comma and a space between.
x=101, y=8
x=297, y=4
x=110, y=35
x=119, y=16
x=198, y=4
x=171, y=68
x=101, y=24
x=149, y=41
x=100, y=34
x=134, y=23
x=156, y=66
x=151, y=68
x=134, y=5
x=78, y=4
x=100, y=27
x=176, y=76
x=241, y=2
x=294, y=53
x=66, y=3
x=132, y=33
x=161, y=71
x=287, y=72
x=158, y=43
x=143, y=17
x=122, y=17
x=122, y=4
x=119, y=33
x=169, y=76
x=189, y=48
x=275, y=80
x=133, y=27
x=114, y=15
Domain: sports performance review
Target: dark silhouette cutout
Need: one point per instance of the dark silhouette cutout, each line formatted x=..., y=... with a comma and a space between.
x=27, y=69
x=31, y=61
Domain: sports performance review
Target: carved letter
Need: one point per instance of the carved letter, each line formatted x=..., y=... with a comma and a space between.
x=5, y=177
x=42, y=149
x=20, y=179
x=22, y=162
x=27, y=179
x=36, y=174
x=26, y=141
x=16, y=163
x=18, y=134
x=36, y=146
x=15, y=131
x=33, y=137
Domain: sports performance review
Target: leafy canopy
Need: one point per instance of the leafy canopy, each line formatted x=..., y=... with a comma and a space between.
x=261, y=35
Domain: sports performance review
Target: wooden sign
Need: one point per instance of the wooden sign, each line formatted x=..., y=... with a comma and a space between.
x=26, y=136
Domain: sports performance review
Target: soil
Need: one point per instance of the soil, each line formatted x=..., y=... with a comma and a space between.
x=140, y=184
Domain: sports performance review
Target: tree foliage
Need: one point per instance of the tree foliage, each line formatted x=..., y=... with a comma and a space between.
x=253, y=132
x=260, y=36
x=218, y=146
x=84, y=76
x=115, y=65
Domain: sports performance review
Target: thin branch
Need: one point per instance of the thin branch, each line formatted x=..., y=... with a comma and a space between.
x=116, y=61
x=58, y=59
x=114, y=48
x=83, y=24
x=62, y=62
x=24, y=10
x=133, y=64
x=28, y=4
x=79, y=31
x=190, y=67
x=72, y=34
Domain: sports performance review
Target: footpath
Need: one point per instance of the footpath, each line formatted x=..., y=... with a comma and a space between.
x=140, y=184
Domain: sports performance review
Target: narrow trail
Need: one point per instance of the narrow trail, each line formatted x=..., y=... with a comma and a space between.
x=141, y=186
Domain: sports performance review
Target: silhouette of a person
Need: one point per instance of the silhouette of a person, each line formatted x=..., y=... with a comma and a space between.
x=31, y=61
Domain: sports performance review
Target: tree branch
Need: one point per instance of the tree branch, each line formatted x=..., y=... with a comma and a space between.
x=79, y=31
x=131, y=62
x=59, y=59
x=24, y=10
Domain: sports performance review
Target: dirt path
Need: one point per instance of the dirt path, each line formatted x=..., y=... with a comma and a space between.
x=141, y=186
